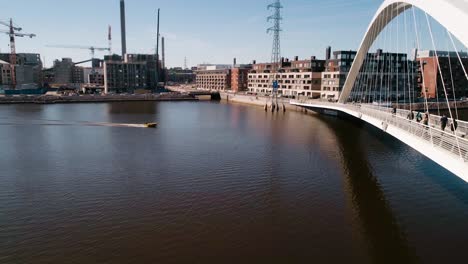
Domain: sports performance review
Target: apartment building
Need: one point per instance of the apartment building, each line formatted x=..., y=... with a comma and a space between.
x=28, y=68
x=295, y=77
x=385, y=76
x=336, y=71
x=239, y=77
x=5, y=74
x=124, y=77
x=213, y=77
x=451, y=68
x=135, y=72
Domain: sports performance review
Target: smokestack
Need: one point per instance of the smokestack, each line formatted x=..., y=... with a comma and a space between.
x=235, y=62
x=109, y=38
x=163, y=63
x=296, y=58
x=328, y=53
x=122, y=26
x=157, y=53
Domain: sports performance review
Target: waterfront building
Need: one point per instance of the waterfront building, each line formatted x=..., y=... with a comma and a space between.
x=384, y=76
x=78, y=75
x=93, y=78
x=63, y=71
x=449, y=65
x=123, y=77
x=178, y=75
x=295, y=77
x=336, y=71
x=5, y=74
x=213, y=77
x=240, y=77
x=28, y=69
x=135, y=72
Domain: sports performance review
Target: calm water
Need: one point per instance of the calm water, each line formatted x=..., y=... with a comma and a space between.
x=218, y=183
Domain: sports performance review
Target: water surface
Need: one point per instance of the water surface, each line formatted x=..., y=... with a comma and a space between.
x=218, y=183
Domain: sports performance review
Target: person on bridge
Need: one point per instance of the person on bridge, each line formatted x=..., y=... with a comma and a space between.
x=426, y=119
x=443, y=122
x=454, y=125
x=410, y=115
x=418, y=117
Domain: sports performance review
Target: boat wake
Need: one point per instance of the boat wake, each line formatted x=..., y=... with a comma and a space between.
x=61, y=123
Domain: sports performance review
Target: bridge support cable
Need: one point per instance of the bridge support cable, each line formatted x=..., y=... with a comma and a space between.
x=443, y=83
x=366, y=73
x=387, y=65
x=407, y=75
x=372, y=64
x=391, y=64
x=398, y=65
x=377, y=61
x=369, y=65
x=452, y=82
x=374, y=67
x=422, y=72
x=358, y=85
x=462, y=66
x=458, y=54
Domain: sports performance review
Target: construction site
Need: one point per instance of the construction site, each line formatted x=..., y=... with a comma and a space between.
x=109, y=73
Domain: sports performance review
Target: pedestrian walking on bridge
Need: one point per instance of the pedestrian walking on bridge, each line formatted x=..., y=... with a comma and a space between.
x=443, y=122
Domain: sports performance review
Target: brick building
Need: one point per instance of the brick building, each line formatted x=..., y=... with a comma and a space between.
x=239, y=77
x=5, y=74
x=295, y=77
x=213, y=77
x=449, y=65
x=336, y=71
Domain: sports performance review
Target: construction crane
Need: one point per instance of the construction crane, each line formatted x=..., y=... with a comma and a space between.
x=92, y=49
x=7, y=24
x=12, y=33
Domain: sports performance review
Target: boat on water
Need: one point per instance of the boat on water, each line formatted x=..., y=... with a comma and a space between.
x=151, y=125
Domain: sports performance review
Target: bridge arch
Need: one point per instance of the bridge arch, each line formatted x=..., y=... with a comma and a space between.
x=448, y=13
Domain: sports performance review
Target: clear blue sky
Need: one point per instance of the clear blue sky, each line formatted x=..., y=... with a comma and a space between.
x=213, y=31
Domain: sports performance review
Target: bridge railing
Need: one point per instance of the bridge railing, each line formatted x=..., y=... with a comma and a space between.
x=448, y=141
x=434, y=120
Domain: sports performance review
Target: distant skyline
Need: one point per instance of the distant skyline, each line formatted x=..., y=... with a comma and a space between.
x=204, y=31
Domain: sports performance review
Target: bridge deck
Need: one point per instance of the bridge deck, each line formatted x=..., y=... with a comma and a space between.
x=443, y=147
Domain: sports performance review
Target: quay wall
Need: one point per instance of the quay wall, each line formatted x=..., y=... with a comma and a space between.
x=259, y=101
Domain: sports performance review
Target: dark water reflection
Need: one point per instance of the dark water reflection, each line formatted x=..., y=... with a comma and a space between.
x=384, y=237
x=218, y=183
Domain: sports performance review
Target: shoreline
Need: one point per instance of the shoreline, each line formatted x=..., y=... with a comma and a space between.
x=258, y=101
x=6, y=100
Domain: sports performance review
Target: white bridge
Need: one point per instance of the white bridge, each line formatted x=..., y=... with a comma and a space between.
x=445, y=148
x=448, y=148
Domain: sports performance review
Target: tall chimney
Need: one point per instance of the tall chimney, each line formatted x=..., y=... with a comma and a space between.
x=235, y=62
x=163, y=59
x=328, y=53
x=157, y=53
x=122, y=26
